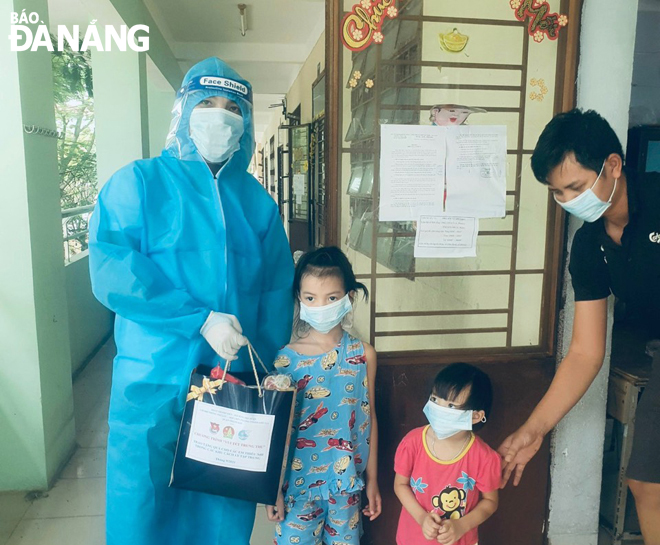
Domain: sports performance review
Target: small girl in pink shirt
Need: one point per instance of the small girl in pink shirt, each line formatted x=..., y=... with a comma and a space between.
x=447, y=478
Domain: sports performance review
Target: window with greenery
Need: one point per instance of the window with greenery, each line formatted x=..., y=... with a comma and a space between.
x=76, y=151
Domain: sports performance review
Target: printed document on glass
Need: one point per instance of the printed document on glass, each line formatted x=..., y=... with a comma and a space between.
x=446, y=236
x=476, y=171
x=299, y=187
x=412, y=167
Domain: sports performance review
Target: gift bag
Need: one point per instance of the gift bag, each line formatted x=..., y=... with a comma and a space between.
x=234, y=438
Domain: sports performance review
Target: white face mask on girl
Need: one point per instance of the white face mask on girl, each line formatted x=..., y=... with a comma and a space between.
x=324, y=318
x=216, y=132
x=446, y=422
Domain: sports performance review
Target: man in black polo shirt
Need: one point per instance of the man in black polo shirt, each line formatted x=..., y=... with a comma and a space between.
x=580, y=159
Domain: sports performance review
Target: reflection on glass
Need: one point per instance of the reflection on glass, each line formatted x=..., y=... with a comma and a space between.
x=408, y=97
x=404, y=117
x=414, y=7
x=370, y=64
x=408, y=32
x=385, y=244
x=358, y=64
x=367, y=180
x=370, y=119
x=389, y=96
x=355, y=181
x=355, y=129
x=364, y=245
x=390, y=33
x=318, y=98
x=355, y=232
x=402, y=254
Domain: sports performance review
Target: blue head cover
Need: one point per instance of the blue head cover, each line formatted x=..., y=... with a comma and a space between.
x=210, y=77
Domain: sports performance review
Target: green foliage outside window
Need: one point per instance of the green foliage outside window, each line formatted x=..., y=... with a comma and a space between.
x=76, y=150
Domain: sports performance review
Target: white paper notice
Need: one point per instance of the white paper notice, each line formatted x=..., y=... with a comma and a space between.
x=476, y=171
x=229, y=438
x=446, y=236
x=299, y=184
x=412, y=167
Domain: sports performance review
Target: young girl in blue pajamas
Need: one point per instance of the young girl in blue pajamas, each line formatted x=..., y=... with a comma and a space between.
x=335, y=435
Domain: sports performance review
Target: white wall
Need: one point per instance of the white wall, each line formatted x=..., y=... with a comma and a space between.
x=160, y=96
x=607, y=40
x=300, y=93
x=37, y=431
x=90, y=323
x=117, y=110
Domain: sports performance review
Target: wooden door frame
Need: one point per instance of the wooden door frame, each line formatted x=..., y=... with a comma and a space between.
x=565, y=95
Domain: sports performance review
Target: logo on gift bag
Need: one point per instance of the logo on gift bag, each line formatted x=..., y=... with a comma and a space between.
x=215, y=428
x=228, y=432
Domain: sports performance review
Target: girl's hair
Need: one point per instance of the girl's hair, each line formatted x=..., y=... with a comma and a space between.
x=455, y=378
x=323, y=263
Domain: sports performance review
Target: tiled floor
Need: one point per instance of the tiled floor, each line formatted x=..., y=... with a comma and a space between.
x=72, y=512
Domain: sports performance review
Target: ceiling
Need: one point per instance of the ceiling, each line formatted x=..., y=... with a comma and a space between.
x=280, y=35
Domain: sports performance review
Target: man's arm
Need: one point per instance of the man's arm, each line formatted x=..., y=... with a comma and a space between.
x=574, y=376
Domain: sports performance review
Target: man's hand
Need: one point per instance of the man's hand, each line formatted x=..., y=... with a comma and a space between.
x=374, y=505
x=224, y=333
x=516, y=451
x=431, y=525
x=451, y=531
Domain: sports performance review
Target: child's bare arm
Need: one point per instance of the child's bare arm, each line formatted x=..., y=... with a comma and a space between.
x=374, y=507
x=452, y=530
x=430, y=522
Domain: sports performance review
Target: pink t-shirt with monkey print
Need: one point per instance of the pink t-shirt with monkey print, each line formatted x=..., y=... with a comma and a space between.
x=450, y=488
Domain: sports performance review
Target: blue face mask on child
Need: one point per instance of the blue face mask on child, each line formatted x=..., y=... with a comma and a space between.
x=446, y=422
x=324, y=318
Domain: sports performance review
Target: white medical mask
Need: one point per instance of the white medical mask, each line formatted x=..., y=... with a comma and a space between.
x=324, y=318
x=587, y=206
x=216, y=132
x=446, y=422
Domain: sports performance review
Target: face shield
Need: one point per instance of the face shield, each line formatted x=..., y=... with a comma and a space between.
x=210, y=78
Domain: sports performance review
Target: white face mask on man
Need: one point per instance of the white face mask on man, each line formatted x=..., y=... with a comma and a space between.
x=216, y=132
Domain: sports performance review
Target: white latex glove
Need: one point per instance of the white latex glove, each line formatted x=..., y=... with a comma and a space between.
x=223, y=333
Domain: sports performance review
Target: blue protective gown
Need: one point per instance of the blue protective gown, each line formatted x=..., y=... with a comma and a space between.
x=169, y=244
